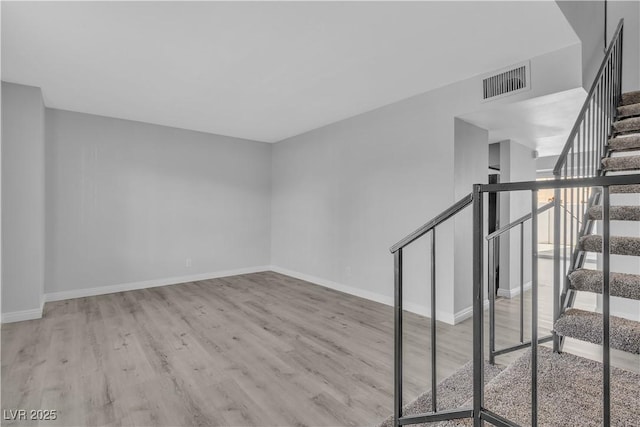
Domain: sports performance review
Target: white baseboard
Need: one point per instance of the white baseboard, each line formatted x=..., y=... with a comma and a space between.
x=423, y=310
x=19, y=316
x=109, y=289
x=514, y=292
x=383, y=299
x=467, y=313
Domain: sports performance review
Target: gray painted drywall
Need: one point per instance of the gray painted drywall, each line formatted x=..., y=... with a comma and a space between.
x=23, y=198
x=471, y=159
x=344, y=193
x=517, y=163
x=130, y=202
x=1, y=203
x=630, y=11
x=494, y=156
x=587, y=20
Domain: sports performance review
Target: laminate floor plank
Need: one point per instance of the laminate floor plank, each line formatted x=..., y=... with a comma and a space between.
x=260, y=349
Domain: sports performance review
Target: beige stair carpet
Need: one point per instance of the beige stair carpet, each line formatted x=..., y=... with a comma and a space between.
x=587, y=326
x=621, y=285
x=569, y=393
x=630, y=98
x=625, y=143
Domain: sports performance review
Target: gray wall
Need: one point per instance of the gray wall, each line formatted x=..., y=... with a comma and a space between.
x=471, y=160
x=23, y=199
x=587, y=20
x=130, y=202
x=516, y=164
x=344, y=193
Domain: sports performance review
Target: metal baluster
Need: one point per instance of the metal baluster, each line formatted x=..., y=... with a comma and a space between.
x=478, y=315
x=397, y=257
x=522, y=281
x=565, y=241
x=600, y=119
x=608, y=99
x=434, y=378
x=492, y=300
x=571, y=206
x=609, y=92
x=606, y=369
x=556, y=264
x=593, y=164
x=621, y=63
x=534, y=309
x=599, y=123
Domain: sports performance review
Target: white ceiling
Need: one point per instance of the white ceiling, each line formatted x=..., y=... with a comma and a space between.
x=262, y=70
x=541, y=123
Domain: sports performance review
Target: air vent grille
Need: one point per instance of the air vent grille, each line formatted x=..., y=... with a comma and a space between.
x=512, y=80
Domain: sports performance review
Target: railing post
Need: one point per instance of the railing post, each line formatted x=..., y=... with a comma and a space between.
x=522, y=281
x=534, y=308
x=434, y=378
x=492, y=299
x=556, y=264
x=478, y=307
x=620, y=46
x=606, y=309
x=397, y=360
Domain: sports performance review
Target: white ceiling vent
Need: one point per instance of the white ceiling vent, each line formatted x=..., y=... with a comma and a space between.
x=505, y=82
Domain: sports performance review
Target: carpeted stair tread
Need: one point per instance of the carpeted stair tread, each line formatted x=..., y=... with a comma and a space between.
x=631, y=124
x=453, y=392
x=569, y=393
x=621, y=284
x=625, y=143
x=625, y=189
x=587, y=326
x=618, y=245
x=616, y=213
x=629, y=111
x=630, y=98
x=612, y=164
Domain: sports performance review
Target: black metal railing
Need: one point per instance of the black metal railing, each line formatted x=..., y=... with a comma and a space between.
x=604, y=182
x=491, y=239
x=577, y=174
x=479, y=412
x=397, y=251
x=582, y=157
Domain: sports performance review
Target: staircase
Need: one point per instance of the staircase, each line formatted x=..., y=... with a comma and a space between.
x=547, y=386
x=568, y=387
x=619, y=159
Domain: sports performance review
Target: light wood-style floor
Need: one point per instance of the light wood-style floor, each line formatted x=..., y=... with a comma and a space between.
x=254, y=350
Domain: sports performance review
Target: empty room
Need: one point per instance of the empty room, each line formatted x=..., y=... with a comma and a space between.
x=320, y=213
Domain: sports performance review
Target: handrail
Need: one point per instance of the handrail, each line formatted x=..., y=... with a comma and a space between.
x=550, y=184
x=519, y=221
x=445, y=215
x=576, y=127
